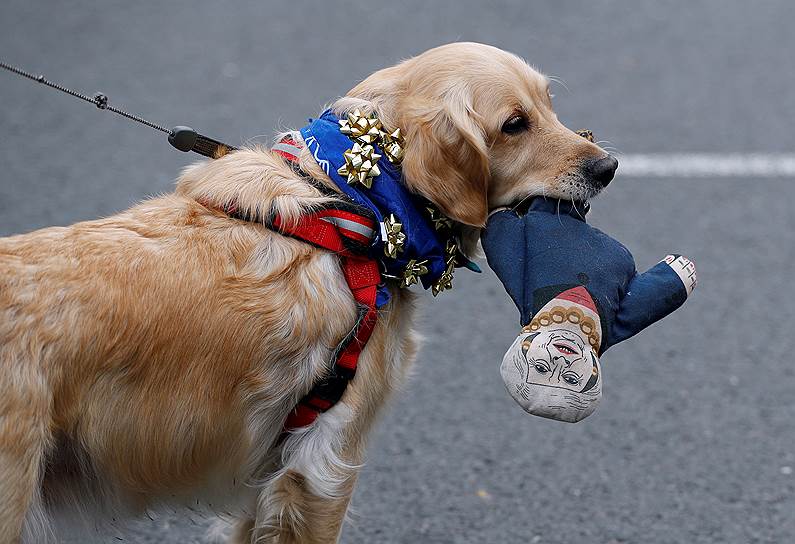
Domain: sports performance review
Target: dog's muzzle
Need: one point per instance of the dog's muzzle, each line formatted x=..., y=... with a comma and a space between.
x=600, y=171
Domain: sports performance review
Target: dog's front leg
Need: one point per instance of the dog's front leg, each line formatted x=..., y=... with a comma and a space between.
x=306, y=500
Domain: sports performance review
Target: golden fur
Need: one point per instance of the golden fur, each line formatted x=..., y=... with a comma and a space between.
x=153, y=356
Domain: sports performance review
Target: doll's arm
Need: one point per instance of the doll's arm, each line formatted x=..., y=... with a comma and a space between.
x=653, y=295
x=504, y=243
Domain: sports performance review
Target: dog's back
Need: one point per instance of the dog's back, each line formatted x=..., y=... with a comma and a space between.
x=152, y=354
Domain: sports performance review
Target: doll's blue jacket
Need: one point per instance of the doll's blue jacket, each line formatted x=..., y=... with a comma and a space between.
x=550, y=249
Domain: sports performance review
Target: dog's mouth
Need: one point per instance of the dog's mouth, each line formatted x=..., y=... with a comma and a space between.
x=577, y=188
x=571, y=186
x=522, y=205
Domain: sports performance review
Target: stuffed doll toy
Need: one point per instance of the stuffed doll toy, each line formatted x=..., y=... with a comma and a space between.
x=578, y=293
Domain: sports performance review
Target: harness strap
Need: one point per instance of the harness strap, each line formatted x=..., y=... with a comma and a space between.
x=288, y=147
x=365, y=274
x=334, y=229
x=346, y=229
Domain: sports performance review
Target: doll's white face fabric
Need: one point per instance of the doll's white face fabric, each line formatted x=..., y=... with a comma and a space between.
x=552, y=369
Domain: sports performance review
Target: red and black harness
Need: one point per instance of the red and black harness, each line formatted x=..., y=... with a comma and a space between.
x=347, y=229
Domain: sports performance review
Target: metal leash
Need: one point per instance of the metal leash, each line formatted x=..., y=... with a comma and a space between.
x=183, y=138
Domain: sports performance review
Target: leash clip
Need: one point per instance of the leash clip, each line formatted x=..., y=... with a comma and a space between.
x=101, y=101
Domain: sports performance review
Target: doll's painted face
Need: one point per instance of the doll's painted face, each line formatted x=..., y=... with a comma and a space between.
x=552, y=369
x=558, y=357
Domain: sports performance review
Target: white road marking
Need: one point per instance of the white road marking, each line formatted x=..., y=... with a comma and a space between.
x=694, y=165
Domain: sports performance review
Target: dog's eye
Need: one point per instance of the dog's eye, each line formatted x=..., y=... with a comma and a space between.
x=515, y=124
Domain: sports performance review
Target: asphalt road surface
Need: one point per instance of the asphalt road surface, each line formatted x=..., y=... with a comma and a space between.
x=695, y=439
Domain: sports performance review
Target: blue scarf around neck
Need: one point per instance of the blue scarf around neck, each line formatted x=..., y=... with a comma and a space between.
x=387, y=195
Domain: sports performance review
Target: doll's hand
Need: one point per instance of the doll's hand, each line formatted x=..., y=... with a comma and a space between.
x=651, y=296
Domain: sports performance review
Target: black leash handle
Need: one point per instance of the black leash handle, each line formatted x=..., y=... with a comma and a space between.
x=186, y=139
x=183, y=138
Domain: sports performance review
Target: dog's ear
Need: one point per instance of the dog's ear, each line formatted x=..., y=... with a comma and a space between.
x=446, y=156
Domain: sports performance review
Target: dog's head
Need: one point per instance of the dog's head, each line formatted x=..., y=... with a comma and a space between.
x=480, y=131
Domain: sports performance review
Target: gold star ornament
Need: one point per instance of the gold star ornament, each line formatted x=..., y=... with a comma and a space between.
x=451, y=249
x=394, y=237
x=445, y=281
x=414, y=269
x=361, y=165
x=365, y=129
x=440, y=221
x=392, y=145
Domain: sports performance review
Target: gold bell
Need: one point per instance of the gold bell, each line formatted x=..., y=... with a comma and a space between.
x=394, y=237
x=360, y=165
x=365, y=129
x=413, y=270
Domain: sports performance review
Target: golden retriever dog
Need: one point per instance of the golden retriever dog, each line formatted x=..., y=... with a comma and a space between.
x=152, y=357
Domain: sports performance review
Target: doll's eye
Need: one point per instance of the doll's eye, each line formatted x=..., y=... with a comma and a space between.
x=563, y=348
x=571, y=378
x=541, y=368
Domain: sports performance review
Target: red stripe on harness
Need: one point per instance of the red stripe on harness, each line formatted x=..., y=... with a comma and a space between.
x=286, y=154
x=362, y=276
x=350, y=216
x=315, y=231
x=354, y=235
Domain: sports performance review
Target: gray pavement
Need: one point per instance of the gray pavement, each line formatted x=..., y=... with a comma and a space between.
x=695, y=439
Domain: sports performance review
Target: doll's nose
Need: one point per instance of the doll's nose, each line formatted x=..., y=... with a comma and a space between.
x=601, y=170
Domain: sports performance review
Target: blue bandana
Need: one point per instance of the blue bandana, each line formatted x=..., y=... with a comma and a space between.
x=387, y=195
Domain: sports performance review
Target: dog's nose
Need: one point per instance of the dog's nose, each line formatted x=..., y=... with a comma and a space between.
x=601, y=170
